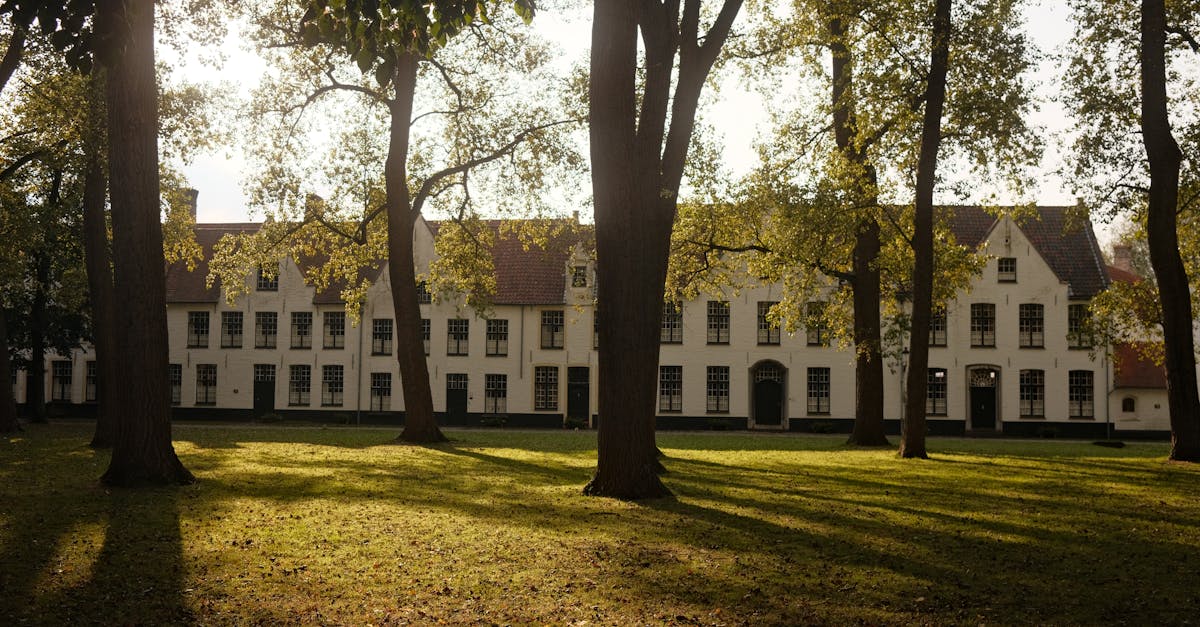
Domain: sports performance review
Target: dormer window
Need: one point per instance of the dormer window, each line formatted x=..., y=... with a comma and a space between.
x=579, y=276
x=268, y=279
x=1007, y=270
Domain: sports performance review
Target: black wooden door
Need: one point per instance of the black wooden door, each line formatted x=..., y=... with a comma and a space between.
x=264, y=397
x=456, y=399
x=578, y=393
x=983, y=407
x=768, y=403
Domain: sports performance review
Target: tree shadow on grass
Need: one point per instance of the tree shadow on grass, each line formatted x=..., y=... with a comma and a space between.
x=138, y=576
x=76, y=552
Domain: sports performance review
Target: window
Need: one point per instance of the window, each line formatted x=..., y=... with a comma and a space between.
x=264, y=372
x=197, y=329
x=266, y=329
x=175, y=380
x=545, y=388
x=983, y=324
x=1006, y=270
x=495, y=393
x=206, y=384
x=937, y=327
x=1078, y=334
x=457, y=330
x=1079, y=394
x=816, y=330
x=1033, y=394
x=60, y=380
x=231, y=329
x=935, y=392
x=818, y=390
x=718, y=322
x=424, y=297
x=672, y=323
x=497, y=337
x=768, y=331
x=1032, y=327
x=381, y=391
x=299, y=385
x=268, y=279
x=302, y=330
x=717, y=391
x=425, y=334
x=331, y=386
x=595, y=329
x=1128, y=405
x=552, y=329
x=579, y=276
x=381, y=336
x=335, y=329
x=89, y=382
x=670, y=388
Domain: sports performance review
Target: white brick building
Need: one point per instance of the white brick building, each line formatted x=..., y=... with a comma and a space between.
x=1005, y=359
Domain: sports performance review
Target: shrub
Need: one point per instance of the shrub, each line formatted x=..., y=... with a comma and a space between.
x=575, y=423
x=822, y=427
x=492, y=421
x=270, y=417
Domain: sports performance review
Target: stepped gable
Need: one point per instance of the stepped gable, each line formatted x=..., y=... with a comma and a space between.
x=1072, y=253
x=1133, y=370
x=188, y=287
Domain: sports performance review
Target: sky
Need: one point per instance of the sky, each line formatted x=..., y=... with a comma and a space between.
x=739, y=115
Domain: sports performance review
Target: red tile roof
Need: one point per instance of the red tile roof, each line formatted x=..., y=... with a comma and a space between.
x=523, y=277
x=188, y=287
x=1118, y=275
x=1071, y=251
x=1134, y=370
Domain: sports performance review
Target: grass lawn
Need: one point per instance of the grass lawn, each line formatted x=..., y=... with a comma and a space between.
x=310, y=525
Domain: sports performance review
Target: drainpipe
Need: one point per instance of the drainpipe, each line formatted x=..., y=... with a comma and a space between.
x=1107, y=399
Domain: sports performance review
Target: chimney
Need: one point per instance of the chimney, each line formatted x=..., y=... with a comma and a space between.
x=190, y=195
x=1123, y=257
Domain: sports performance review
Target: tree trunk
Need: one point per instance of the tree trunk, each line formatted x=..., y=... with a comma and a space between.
x=1164, y=157
x=142, y=450
x=629, y=253
x=35, y=385
x=868, y=344
x=13, y=53
x=99, y=271
x=8, y=402
x=913, y=427
x=420, y=425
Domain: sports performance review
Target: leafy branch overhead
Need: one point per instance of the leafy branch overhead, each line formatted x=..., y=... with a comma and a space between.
x=377, y=34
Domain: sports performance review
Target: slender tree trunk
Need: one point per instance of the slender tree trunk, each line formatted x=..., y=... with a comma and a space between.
x=1165, y=158
x=913, y=429
x=142, y=450
x=868, y=345
x=420, y=425
x=99, y=270
x=627, y=250
x=35, y=387
x=13, y=53
x=8, y=401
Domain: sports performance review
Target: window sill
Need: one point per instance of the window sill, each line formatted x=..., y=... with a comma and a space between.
x=297, y=404
x=267, y=347
x=1033, y=417
x=1082, y=418
x=374, y=354
x=301, y=348
x=552, y=348
x=818, y=413
x=768, y=344
x=1037, y=347
x=212, y=404
x=983, y=346
x=492, y=354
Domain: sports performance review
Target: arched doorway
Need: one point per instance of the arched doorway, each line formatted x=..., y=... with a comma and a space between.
x=983, y=396
x=767, y=394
